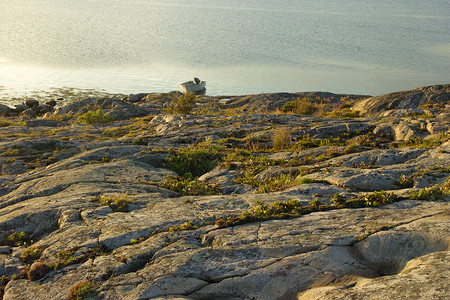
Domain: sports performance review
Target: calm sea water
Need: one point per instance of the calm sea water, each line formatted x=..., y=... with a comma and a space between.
x=237, y=46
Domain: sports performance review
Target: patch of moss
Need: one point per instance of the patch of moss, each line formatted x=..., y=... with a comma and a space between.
x=81, y=290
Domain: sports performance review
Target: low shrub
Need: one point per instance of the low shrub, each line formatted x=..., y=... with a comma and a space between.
x=193, y=162
x=430, y=194
x=189, y=186
x=16, y=239
x=303, y=106
x=75, y=255
x=8, y=122
x=343, y=113
x=307, y=142
x=95, y=117
x=118, y=202
x=405, y=182
x=279, y=183
x=374, y=199
x=418, y=142
x=183, y=104
x=338, y=200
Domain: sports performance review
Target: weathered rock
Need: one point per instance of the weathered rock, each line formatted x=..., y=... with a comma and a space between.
x=404, y=100
x=166, y=245
x=4, y=110
x=20, y=108
x=51, y=103
x=32, y=103
x=42, y=123
x=29, y=113
x=136, y=97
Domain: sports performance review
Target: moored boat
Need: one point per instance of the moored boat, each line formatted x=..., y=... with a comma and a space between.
x=192, y=87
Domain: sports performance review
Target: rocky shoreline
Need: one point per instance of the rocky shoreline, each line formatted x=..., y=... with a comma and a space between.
x=271, y=196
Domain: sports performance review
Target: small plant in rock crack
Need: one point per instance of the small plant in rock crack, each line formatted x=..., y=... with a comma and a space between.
x=186, y=226
x=338, y=200
x=374, y=199
x=189, y=187
x=16, y=239
x=431, y=194
x=118, y=202
x=405, y=182
x=317, y=205
x=31, y=254
x=81, y=290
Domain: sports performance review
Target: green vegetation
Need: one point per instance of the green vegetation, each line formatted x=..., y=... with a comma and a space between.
x=282, y=139
x=31, y=254
x=183, y=104
x=280, y=183
x=4, y=122
x=95, y=117
x=294, y=209
x=186, y=226
x=16, y=239
x=76, y=255
x=189, y=186
x=307, y=142
x=193, y=162
x=376, y=199
x=405, y=182
x=137, y=126
x=433, y=193
x=137, y=241
x=118, y=202
x=430, y=194
x=81, y=290
x=418, y=142
x=302, y=106
x=3, y=282
x=343, y=113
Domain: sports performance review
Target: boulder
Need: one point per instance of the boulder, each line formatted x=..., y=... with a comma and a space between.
x=32, y=103
x=4, y=110
x=29, y=113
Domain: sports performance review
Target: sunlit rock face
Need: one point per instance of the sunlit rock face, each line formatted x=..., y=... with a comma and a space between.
x=123, y=200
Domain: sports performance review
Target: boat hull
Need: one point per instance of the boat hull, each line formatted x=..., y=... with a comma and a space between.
x=192, y=87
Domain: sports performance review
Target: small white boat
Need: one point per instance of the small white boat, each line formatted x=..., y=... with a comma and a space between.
x=192, y=87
